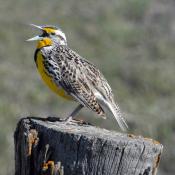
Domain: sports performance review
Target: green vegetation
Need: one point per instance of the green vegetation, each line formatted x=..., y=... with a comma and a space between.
x=131, y=41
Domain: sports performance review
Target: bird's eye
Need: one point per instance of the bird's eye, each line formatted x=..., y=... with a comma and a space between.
x=45, y=34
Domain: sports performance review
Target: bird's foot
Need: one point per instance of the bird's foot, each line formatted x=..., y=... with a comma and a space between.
x=71, y=120
x=67, y=120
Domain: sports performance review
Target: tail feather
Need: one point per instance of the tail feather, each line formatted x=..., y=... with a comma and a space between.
x=118, y=116
x=114, y=109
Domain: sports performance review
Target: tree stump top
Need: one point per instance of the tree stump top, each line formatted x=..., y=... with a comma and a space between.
x=83, y=149
x=91, y=132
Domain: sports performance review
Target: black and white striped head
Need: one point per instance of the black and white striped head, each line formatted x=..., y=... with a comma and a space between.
x=50, y=34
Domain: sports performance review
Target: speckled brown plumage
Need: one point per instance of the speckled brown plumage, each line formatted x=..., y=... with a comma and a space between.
x=62, y=68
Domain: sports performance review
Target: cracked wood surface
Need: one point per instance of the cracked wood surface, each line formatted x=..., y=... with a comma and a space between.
x=81, y=150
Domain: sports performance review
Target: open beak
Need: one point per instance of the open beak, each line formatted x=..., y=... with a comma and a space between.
x=36, y=38
x=39, y=27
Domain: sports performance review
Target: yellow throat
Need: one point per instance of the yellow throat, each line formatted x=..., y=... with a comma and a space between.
x=44, y=42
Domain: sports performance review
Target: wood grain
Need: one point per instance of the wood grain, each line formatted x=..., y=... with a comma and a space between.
x=74, y=149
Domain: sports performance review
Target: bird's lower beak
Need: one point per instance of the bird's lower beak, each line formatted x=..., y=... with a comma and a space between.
x=36, y=38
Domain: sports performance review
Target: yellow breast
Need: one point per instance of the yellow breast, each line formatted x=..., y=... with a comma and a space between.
x=48, y=79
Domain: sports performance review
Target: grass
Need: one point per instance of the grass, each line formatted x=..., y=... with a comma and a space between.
x=133, y=50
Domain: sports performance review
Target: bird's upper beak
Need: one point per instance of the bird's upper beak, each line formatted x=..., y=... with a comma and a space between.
x=39, y=27
x=36, y=37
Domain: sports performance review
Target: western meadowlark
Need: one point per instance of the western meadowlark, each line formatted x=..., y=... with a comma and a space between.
x=71, y=76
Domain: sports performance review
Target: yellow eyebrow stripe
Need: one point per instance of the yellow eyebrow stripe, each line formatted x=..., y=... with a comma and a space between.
x=49, y=30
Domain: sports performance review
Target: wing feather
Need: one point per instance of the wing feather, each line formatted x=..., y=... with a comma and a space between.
x=73, y=78
x=82, y=80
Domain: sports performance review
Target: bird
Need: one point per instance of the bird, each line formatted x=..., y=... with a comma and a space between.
x=73, y=77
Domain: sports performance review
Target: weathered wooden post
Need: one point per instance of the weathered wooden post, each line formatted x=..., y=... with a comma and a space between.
x=44, y=146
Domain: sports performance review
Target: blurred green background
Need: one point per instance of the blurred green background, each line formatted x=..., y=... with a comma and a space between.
x=131, y=41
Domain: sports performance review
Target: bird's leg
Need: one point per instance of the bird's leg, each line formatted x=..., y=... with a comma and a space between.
x=73, y=114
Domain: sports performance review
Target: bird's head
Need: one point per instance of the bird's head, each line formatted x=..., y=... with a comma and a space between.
x=49, y=36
